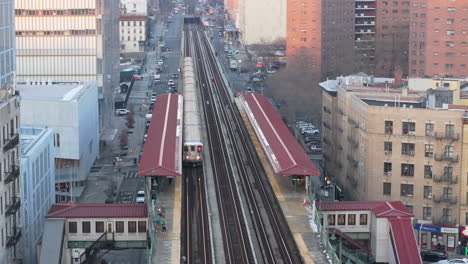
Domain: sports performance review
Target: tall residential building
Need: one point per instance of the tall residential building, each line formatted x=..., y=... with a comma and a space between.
x=383, y=143
x=38, y=188
x=381, y=36
x=320, y=37
x=261, y=21
x=132, y=35
x=69, y=42
x=76, y=133
x=10, y=184
x=438, y=38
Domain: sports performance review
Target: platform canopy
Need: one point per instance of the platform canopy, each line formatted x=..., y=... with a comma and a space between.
x=286, y=156
x=162, y=151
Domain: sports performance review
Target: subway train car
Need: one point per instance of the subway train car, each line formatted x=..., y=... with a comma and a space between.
x=193, y=145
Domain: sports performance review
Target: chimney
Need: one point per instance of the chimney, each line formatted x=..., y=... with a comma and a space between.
x=398, y=75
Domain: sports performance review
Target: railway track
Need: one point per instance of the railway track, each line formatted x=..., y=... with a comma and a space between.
x=274, y=242
x=196, y=241
x=237, y=248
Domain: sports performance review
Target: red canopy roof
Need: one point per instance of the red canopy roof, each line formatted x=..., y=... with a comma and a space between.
x=97, y=211
x=162, y=150
x=404, y=241
x=284, y=152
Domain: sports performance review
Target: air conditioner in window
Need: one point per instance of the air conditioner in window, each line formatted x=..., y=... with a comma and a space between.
x=429, y=197
x=409, y=195
x=412, y=133
x=389, y=173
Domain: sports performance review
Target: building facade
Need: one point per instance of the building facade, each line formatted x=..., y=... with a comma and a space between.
x=261, y=22
x=72, y=112
x=132, y=34
x=10, y=186
x=70, y=42
x=38, y=188
x=389, y=144
x=134, y=7
x=320, y=37
x=438, y=38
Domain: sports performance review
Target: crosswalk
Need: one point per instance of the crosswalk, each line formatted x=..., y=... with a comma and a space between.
x=131, y=174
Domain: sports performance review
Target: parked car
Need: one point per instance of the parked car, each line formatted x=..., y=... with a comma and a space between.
x=160, y=62
x=122, y=112
x=316, y=148
x=137, y=77
x=140, y=197
x=310, y=131
x=170, y=82
x=434, y=255
x=153, y=99
x=454, y=261
x=175, y=75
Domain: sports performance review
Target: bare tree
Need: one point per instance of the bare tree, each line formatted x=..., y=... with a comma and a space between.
x=297, y=95
x=123, y=139
x=130, y=120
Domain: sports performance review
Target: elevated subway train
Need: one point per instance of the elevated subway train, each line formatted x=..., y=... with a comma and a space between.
x=193, y=146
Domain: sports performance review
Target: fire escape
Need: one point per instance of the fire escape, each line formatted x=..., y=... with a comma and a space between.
x=105, y=241
x=12, y=203
x=364, y=35
x=447, y=177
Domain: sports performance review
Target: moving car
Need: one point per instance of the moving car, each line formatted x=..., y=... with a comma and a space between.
x=454, y=261
x=433, y=255
x=153, y=99
x=140, y=197
x=170, y=82
x=175, y=75
x=160, y=62
x=122, y=112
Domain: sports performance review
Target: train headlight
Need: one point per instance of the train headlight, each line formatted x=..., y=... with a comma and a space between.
x=187, y=157
x=198, y=157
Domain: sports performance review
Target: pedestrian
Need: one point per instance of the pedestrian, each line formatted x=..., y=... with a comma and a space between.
x=163, y=229
x=170, y=180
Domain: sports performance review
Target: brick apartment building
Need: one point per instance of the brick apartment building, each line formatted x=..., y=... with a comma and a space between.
x=320, y=37
x=438, y=38
x=385, y=144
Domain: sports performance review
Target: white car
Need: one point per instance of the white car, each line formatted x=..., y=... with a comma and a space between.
x=310, y=131
x=153, y=99
x=170, y=82
x=140, y=197
x=454, y=261
x=160, y=62
x=122, y=112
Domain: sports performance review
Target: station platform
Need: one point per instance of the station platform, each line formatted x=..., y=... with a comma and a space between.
x=290, y=198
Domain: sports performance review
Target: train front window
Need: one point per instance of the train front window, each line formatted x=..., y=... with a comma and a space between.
x=185, y=148
x=192, y=148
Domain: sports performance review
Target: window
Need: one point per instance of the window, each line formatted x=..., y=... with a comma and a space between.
x=450, y=21
x=363, y=219
x=428, y=150
x=389, y=127
x=387, y=168
x=351, y=219
x=450, y=9
x=132, y=226
x=388, y=147
x=429, y=129
x=86, y=227
x=447, y=214
x=387, y=188
x=407, y=190
x=427, y=213
x=119, y=226
x=427, y=192
x=141, y=226
x=341, y=219
x=427, y=171
x=408, y=128
x=448, y=151
x=407, y=149
x=407, y=170
x=72, y=227
x=449, y=43
x=99, y=227
x=331, y=219
x=450, y=33
x=447, y=193
x=449, y=130
x=448, y=66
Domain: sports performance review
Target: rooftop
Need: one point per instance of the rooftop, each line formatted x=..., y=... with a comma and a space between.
x=379, y=208
x=97, y=211
x=358, y=79
x=29, y=137
x=55, y=92
x=127, y=17
x=286, y=156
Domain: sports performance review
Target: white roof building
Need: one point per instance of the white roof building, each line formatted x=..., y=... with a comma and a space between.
x=72, y=111
x=38, y=185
